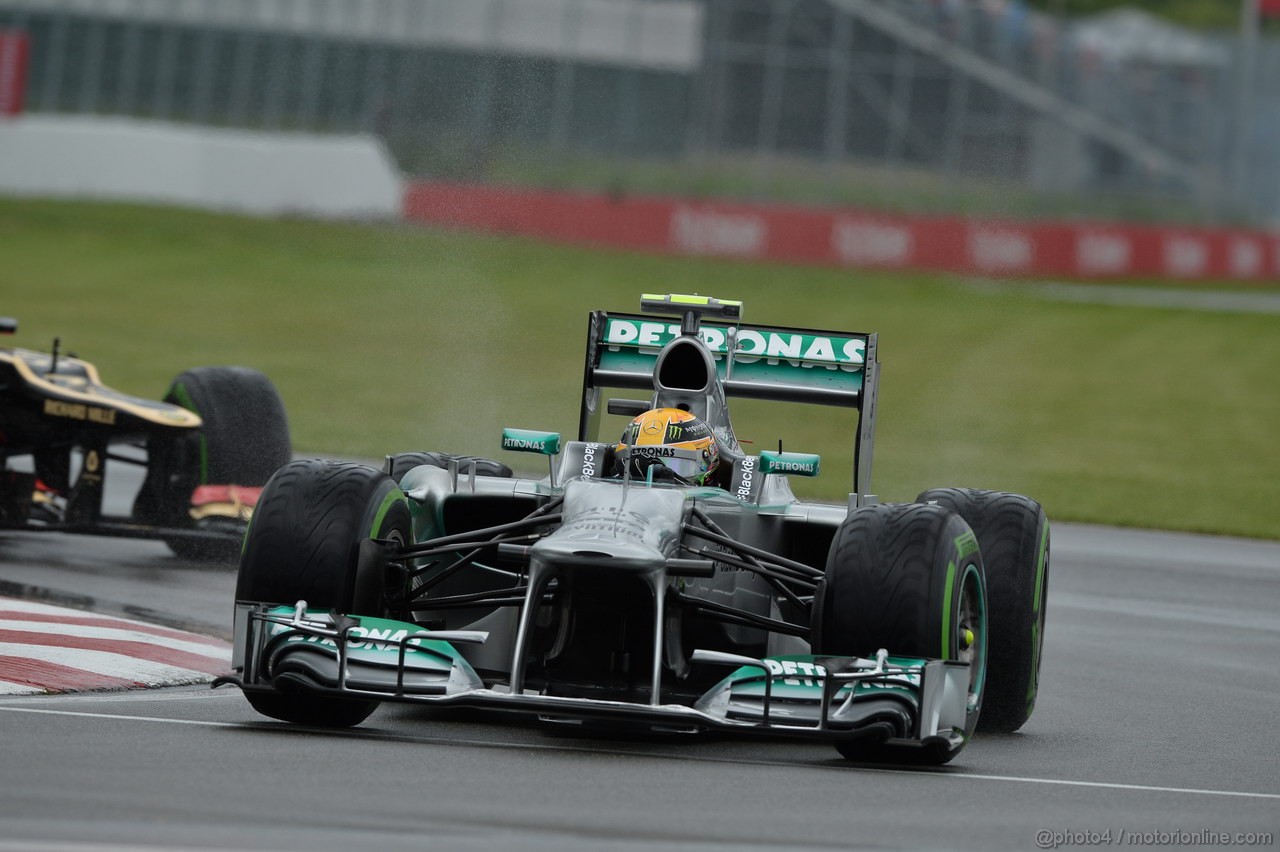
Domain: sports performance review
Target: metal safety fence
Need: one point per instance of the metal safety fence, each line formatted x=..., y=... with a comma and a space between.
x=910, y=104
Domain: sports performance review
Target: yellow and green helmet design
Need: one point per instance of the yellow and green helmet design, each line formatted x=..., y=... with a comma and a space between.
x=674, y=439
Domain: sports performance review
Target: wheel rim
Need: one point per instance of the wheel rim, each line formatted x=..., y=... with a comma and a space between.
x=971, y=633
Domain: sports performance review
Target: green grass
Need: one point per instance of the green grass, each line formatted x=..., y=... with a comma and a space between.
x=384, y=339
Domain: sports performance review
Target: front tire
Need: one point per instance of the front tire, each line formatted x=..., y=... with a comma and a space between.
x=1013, y=533
x=907, y=578
x=304, y=544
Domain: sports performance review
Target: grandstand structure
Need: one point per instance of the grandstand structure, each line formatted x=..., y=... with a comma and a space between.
x=909, y=103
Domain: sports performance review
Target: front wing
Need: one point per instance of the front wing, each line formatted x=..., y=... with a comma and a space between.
x=913, y=702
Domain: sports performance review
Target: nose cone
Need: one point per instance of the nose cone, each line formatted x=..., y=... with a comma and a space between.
x=607, y=525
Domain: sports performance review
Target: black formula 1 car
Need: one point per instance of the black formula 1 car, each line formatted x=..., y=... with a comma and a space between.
x=207, y=449
x=669, y=580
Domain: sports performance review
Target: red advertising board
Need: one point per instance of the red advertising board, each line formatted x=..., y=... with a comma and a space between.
x=14, y=50
x=853, y=238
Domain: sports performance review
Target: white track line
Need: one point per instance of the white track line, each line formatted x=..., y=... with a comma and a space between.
x=953, y=776
x=203, y=723
x=95, y=846
x=1098, y=785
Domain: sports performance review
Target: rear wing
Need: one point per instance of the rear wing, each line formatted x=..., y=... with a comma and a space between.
x=768, y=363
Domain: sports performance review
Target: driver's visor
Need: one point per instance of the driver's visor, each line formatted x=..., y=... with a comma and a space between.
x=686, y=464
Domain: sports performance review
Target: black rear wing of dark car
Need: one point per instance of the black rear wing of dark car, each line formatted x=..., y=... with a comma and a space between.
x=796, y=365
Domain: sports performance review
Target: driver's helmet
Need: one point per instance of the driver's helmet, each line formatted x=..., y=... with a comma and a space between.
x=671, y=442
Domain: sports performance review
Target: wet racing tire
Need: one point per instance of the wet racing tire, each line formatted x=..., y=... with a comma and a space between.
x=1013, y=533
x=245, y=432
x=244, y=438
x=304, y=544
x=907, y=578
x=402, y=463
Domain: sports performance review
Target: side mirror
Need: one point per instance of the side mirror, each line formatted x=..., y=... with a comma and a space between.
x=529, y=441
x=790, y=464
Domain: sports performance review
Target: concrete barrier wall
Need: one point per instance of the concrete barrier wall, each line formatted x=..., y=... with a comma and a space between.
x=853, y=238
x=231, y=170
x=268, y=173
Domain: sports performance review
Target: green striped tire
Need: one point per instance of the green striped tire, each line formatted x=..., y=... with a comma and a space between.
x=907, y=578
x=303, y=543
x=243, y=439
x=1013, y=533
x=402, y=463
x=245, y=434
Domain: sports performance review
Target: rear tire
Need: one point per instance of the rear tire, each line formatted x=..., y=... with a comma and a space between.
x=402, y=463
x=303, y=544
x=245, y=434
x=244, y=439
x=907, y=578
x=1013, y=533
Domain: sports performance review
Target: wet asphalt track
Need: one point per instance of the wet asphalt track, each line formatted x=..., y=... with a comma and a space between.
x=1158, y=712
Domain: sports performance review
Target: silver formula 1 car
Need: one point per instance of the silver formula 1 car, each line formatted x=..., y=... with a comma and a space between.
x=668, y=580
